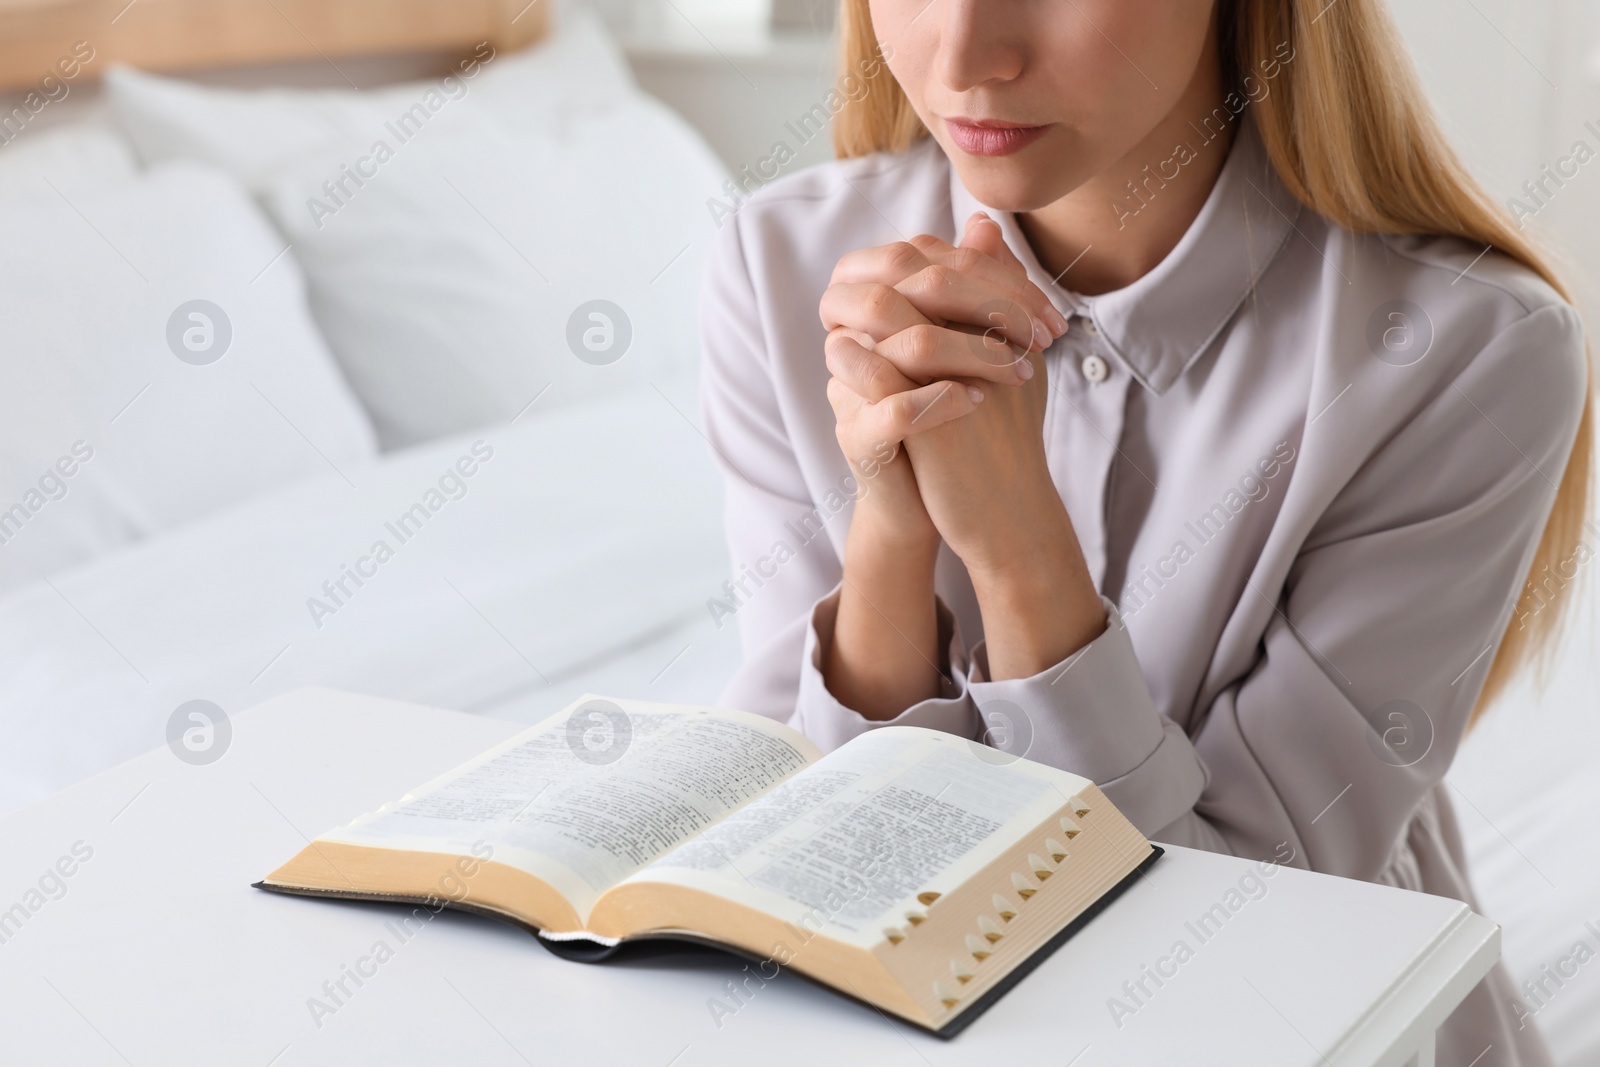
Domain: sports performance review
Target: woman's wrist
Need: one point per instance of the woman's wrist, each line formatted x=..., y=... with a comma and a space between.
x=1039, y=605
x=884, y=523
x=880, y=542
x=884, y=655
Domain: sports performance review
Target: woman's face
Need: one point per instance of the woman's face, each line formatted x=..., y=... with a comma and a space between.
x=1032, y=98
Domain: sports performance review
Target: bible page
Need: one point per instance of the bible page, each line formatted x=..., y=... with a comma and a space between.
x=593, y=793
x=845, y=846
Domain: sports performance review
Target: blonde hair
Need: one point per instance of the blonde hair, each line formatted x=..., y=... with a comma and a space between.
x=1349, y=132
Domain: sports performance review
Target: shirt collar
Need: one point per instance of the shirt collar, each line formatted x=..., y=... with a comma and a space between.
x=1160, y=324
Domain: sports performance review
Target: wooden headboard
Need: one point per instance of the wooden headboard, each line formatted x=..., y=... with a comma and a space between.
x=41, y=38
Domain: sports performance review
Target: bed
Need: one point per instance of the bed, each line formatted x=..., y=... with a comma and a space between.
x=235, y=367
x=244, y=347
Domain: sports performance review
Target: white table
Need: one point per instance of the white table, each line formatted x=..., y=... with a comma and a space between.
x=160, y=953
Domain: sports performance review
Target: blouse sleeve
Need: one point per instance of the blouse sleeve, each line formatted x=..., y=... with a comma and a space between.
x=1381, y=640
x=1375, y=649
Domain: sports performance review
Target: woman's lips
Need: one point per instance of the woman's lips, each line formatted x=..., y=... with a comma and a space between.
x=986, y=137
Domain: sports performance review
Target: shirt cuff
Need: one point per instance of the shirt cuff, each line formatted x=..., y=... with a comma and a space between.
x=1091, y=714
x=828, y=723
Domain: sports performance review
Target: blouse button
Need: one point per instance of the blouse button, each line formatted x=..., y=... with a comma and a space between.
x=1095, y=369
x=1090, y=328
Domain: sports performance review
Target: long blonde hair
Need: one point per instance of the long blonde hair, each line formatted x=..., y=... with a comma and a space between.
x=1349, y=132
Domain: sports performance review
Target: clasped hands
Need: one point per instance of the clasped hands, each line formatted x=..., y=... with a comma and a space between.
x=938, y=390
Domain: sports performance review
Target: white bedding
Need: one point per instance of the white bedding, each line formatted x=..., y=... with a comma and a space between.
x=589, y=543
x=579, y=557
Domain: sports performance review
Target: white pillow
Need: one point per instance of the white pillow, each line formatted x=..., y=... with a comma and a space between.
x=450, y=267
x=74, y=156
x=107, y=435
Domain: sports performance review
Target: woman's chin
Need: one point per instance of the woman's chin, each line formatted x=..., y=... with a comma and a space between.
x=1012, y=183
x=1010, y=192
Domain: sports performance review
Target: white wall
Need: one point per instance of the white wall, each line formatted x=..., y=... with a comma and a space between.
x=1484, y=63
x=1515, y=81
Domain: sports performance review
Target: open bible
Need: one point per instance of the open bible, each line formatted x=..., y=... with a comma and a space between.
x=916, y=871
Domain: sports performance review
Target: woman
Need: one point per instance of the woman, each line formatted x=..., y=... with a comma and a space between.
x=1178, y=412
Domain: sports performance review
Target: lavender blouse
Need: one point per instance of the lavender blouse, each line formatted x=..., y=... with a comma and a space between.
x=1308, y=469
